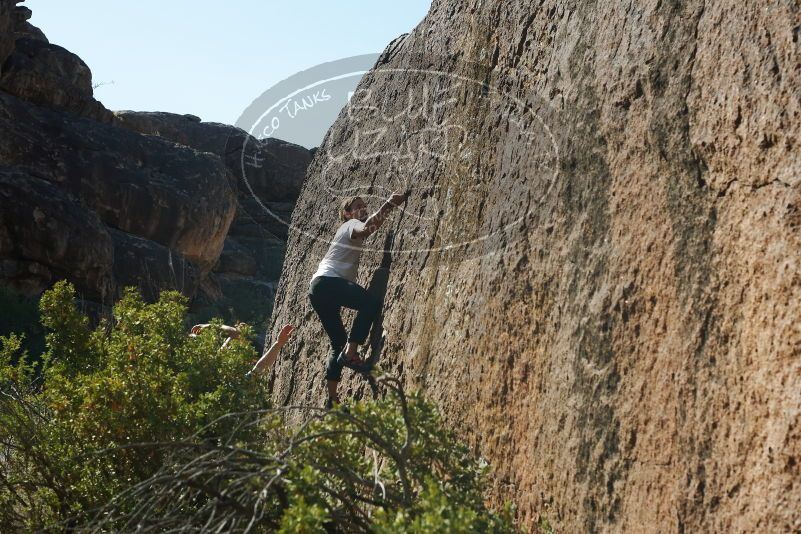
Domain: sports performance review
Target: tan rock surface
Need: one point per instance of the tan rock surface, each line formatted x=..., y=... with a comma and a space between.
x=142, y=185
x=620, y=335
x=246, y=274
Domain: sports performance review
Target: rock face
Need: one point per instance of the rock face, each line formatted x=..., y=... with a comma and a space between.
x=90, y=202
x=274, y=169
x=46, y=235
x=48, y=75
x=267, y=176
x=6, y=29
x=139, y=184
x=598, y=273
x=168, y=195
x=44, y=73
x=86, y=196
x=23, y=28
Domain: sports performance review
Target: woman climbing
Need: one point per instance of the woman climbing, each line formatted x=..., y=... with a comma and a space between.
x=334, y=286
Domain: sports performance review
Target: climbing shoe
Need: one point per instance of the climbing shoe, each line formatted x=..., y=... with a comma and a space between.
x=358, y=366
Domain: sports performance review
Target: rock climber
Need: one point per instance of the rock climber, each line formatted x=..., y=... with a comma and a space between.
x=334, y=286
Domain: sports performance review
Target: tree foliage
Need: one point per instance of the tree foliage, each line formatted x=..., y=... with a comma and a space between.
x=133, y=425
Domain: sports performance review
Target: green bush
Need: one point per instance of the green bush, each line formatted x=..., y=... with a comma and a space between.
x=384, y=466
x=19, y=314
x=137, y=426
x=142, y=379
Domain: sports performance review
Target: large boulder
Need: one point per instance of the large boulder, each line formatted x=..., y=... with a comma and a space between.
x=43, y=73
x=46, y=234
x=142, y=185
x=271, y=170
x=187, y=130
x=7, y=25
x=29, y=31
x=151, y=267
x=236, y=258
x=268, y=176
x=246, y=296
x=258, y=218
x=599, y=279
x=23, y=28
x=48, y=75
x=158, y=207
x=277, y=168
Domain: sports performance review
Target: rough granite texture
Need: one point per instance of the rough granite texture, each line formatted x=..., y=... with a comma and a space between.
x=623, y=340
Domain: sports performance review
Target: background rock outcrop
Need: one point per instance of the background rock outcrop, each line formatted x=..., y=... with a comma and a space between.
x=598, y=273
x=35, y=70
x=45, y=235
x=267, y=176
x=145, y=199
x=6, y=30
x=170, y=195
x=48, y=75
x=274, y=168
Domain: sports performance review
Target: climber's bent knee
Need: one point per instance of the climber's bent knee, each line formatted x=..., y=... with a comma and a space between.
x=373, y=306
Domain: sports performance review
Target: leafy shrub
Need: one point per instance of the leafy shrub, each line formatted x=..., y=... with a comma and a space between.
x=384, y=466
x=142, y=379
x=137, y=426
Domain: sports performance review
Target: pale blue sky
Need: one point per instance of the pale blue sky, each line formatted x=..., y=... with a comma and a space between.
x=212, y=58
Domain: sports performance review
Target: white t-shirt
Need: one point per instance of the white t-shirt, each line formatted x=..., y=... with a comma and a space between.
x=342, y=258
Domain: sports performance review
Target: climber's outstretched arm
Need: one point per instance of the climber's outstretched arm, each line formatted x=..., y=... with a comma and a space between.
x=267, y=361
x=375, y=220
x=230, y=331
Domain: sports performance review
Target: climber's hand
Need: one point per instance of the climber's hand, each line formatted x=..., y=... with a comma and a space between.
x=285, y=333
x=197, y=328
x=397, y=199
x=375, y=220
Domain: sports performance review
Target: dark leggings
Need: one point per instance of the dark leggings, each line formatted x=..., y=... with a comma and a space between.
x=328, y=294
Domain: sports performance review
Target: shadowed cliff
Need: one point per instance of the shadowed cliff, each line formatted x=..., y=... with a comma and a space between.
x=153, y=200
